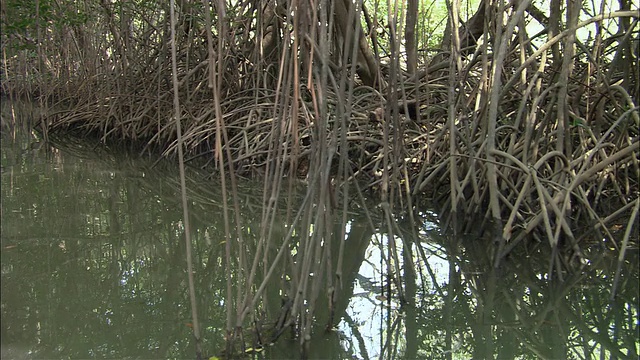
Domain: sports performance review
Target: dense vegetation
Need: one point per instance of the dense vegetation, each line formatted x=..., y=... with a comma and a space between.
x=524, y=115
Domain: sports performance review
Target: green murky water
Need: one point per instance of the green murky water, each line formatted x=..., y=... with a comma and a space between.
x=94, y=266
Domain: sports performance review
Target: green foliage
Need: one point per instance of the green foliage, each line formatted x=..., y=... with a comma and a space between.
x=430, y=28
x=19, y=21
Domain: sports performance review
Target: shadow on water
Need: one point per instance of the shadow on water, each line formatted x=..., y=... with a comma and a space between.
x=93, y=265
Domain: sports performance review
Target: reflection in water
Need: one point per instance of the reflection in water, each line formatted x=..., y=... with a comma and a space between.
x=93, y=265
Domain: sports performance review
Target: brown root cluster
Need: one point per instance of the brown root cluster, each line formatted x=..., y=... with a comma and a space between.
x=531, y=138
x=537, y=143
x=553, y=183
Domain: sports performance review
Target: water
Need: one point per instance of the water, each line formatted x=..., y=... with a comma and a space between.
x=93, y=266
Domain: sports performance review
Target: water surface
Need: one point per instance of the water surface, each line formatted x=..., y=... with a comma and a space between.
x=94, y=266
